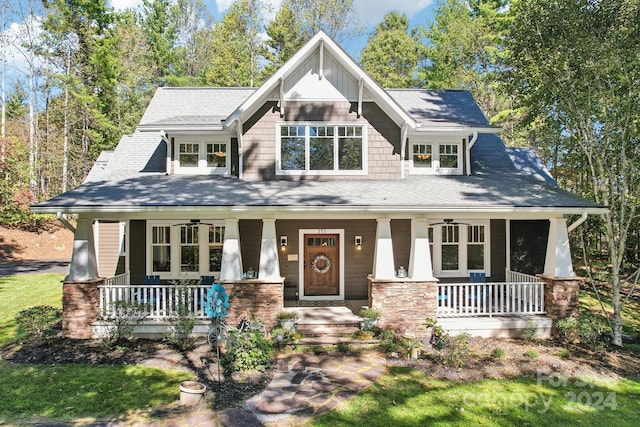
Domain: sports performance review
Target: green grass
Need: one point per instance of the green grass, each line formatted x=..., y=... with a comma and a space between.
x=408, y=397
x=23, y=291
x=37, y=393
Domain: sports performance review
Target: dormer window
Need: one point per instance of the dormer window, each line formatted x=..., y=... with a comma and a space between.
x=436, y=157
x=195, y=156
x=321, y=149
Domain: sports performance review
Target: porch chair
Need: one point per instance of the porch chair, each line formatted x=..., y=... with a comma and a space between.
x=207, y=280
x=152, y=295
x=477, y=292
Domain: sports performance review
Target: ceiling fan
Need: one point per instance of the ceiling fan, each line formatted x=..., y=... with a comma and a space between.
x=192, y=222
x=448, y=221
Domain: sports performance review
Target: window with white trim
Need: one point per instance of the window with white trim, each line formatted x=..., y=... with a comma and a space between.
x=460, y=249
x=180, y=249
x=160, y=248
x=195, y=156
x=321, y=148
x=216, y=239
x=189, y=248
x=442, y=157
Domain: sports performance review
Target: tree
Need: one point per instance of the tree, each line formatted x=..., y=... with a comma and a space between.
x=392, y=54
x=237, y=47
x=284, y=38
x=337, y=18
x=160, y=29
x=464, y=51
x=576, y=63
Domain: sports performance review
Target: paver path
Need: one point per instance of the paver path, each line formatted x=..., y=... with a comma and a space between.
x=306, y=385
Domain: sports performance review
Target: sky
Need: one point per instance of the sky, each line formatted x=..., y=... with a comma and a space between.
x=369, y=12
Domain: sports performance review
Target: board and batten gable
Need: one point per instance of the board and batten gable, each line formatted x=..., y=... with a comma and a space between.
x=382, y=137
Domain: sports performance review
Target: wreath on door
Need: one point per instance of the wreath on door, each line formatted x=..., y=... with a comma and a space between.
x=321, y=263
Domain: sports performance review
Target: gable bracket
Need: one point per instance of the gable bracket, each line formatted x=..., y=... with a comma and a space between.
x=360, y=94
x=281, y=97
x=321, y=61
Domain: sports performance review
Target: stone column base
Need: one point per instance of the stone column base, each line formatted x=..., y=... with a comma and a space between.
x=404, y=304
x=80, y=306
x=255, y=298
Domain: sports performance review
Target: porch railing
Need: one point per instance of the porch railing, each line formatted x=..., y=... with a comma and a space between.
x=514, y=276
x=490, y=299
x=160, y=301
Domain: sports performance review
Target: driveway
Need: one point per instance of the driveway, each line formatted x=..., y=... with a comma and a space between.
x=34, y=266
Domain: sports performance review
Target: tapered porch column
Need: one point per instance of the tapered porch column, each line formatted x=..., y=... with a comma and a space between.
x=558, y=260
x=420, y=266
x=269, y=259
x=83, y=260
x=383, y=264
x=231, y=268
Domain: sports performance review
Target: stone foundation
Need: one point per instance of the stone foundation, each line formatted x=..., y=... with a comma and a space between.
x=255, y=298
x=403, y=304
x=561, y=297
x=79, y=308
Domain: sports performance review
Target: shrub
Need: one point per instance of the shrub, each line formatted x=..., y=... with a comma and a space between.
x=38, y=321
x=123, y=318
x=567, y=329
x=282, y=337
x=286, y=315
x=184, y=321
x=439, y=337
x=343, y=347
x=393, y=342
x=456, y=351
x=592, y=331
x=565, y=353
x=498, y=353
x=249, y=350
x=532, y=353
x=529, y=333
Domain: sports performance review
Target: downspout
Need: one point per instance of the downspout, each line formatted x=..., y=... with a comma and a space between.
x=167, y=142
x=577, y=223
x=240, y=153
x=474, y=138
x=66, y=223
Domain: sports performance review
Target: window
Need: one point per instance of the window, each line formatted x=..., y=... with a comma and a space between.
x=189, y=253
x=459, y=249
x=161, y=249
x=180, y=249
x=216, y=238
x=436, y=158
x=202, y=157
x=475, y=247
x=450, y=248
x=321, y=149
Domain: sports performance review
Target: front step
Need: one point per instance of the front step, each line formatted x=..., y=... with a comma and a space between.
x=329, y=326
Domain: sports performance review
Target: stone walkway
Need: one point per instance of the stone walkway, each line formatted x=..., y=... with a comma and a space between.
x=307, y=385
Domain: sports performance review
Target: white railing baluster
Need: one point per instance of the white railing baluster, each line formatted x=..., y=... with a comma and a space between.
x=489, y=299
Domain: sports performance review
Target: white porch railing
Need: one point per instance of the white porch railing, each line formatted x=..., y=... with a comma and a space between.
x=514, y=276
x=489, y=299
x=160, y=300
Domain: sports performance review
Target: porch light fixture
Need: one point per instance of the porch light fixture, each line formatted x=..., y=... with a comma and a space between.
x=358, y=242
x=283, y=243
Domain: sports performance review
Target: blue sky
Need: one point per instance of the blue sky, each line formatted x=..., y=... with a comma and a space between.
x=370, y=12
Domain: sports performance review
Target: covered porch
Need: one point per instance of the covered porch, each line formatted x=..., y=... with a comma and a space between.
x=404, y=301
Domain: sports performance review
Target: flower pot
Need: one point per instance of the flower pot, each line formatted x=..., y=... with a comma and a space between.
x=191, y=392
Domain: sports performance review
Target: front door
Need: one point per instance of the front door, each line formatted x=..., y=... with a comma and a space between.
x=321, y=264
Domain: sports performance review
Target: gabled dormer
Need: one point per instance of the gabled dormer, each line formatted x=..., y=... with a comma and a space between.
x=320, y=115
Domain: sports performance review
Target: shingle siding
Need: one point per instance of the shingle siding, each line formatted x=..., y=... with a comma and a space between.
x=259, y=139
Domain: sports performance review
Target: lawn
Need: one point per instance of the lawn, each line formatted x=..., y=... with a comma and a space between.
x=23, y=291
x=409, y=397
x=62, y=393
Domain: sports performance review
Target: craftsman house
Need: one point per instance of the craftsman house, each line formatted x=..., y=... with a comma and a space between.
x=322, y=188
